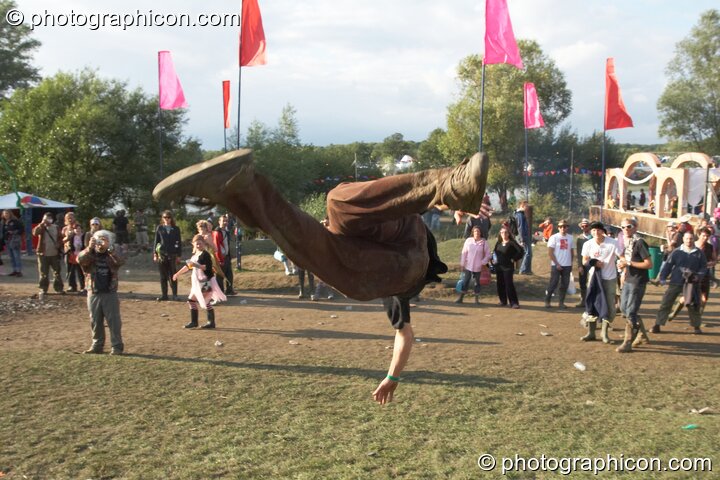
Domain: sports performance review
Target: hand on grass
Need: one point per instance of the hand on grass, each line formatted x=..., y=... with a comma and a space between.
x=384, y=392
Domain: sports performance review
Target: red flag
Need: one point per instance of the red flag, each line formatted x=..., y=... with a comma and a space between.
x=226, y=102
x=533, y=118
x=252, y=35
x=500, y=45
x=171, y=92
x=616, y=115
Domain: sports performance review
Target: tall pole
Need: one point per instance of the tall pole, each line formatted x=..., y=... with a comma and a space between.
x=238, y=118
x=527, y=187
x=239, y=77
x=572, y=172
x=160, y=137
x=602, y=177
x=482, y=105
x=160, y=128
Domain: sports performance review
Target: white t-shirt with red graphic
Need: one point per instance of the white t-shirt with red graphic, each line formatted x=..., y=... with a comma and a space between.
x=606, y=252
x=562, y=246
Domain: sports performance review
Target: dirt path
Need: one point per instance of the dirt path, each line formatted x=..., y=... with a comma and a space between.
x=273, y=326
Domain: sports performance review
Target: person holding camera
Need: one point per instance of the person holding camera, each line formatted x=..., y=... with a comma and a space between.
x=48, y=253
x=101, y=262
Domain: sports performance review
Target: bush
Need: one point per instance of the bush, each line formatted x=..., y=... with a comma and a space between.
x=315, y=205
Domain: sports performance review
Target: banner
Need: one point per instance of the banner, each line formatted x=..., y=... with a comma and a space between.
x=171, y=92
x=500, y=45
x=616, y=115
x=252, y=35
x=226, y=103
x=533, y=118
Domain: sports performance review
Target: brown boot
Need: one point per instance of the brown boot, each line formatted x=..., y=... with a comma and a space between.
x=208, y=179
x=463, y=187
x=626, y=346
x=460, y=298
x=642, y=337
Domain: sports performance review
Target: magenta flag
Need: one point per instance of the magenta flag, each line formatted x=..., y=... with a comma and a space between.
x=171, y=92
x=500, y=45
x=533, y=117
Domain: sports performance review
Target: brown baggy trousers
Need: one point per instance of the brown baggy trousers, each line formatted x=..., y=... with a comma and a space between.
x=376, y=245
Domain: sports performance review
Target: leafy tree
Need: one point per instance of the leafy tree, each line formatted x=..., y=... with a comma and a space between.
x=503, y=112
x=90, y=141
x=393, y=148
x=429, y=153
x=287, y=130
x=16, y=47
x=690, y=105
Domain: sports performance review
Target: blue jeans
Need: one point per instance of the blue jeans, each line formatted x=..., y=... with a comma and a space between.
x=467, y=276
x=14, y=254
x=526, y=265
x=630, y=299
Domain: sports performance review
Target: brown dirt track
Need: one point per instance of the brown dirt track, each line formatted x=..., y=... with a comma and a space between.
x=270, y=325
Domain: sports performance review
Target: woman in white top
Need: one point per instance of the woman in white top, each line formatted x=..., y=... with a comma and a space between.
x=474, y=257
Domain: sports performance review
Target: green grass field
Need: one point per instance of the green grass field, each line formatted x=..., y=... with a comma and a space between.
x=67, y=416
x=142, y=416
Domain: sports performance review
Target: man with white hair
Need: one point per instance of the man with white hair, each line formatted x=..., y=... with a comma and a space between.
x=101, y=262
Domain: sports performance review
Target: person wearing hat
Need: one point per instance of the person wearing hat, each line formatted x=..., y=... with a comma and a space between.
x=601, y=253
x=560, y=251
x=582, y=271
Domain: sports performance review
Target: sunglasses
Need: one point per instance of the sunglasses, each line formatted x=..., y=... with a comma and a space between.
x=562, y=226
x=166, y=216
x=626, y=226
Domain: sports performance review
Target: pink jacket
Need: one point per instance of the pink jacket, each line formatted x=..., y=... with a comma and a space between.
x=474, y=254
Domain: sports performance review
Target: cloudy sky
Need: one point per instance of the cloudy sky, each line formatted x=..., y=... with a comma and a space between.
x=361, y=71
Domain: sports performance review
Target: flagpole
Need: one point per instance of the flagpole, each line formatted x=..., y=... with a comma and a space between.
x=224, y=126
x=602, y=177
x=239, y=75
x=482, y=105
x=572, y=171
x=527, y=189
x=160, y=129
x=160, y=136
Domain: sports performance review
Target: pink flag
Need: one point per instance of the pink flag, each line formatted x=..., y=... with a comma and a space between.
x=533, y=118
x=171, y=92
x=616, y=116
x=500, y=45
x=252, y=35
x=226, y=102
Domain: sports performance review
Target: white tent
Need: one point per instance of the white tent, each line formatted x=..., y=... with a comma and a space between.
x=9, y=202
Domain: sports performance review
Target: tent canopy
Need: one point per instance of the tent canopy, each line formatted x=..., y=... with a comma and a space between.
x=9, y=202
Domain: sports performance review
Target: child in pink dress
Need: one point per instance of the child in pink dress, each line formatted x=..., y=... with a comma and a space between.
x=204, y=289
